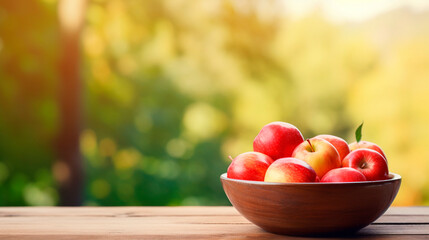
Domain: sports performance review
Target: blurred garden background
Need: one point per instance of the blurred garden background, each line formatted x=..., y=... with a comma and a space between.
x=110, y=102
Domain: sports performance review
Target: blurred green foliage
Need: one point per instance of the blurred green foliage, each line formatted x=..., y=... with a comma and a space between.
x=28, y=115
x=172, y=88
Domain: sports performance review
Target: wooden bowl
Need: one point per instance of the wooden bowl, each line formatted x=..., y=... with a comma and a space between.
x=309, y=209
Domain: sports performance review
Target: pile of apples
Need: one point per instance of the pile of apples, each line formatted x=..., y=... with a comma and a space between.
x=280, y=154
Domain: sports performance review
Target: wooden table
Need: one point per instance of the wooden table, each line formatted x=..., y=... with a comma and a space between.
x=177, y=223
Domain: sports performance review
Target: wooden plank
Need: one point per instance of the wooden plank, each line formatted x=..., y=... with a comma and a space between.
x=235, y=237
x=174, y=223
x=398, y=215
x=408, y=211
x=140, y=211
x=402, y=229
x=157, y=225
x=403, y=219
x=392, y=219
x=117, y=211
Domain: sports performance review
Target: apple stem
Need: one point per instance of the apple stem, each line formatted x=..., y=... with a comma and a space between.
x=231, y=158
x=312, y=148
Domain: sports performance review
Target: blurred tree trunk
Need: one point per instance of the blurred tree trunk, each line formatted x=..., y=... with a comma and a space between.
x=68, y=169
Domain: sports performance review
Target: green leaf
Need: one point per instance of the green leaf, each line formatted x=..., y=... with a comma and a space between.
x=358, y=133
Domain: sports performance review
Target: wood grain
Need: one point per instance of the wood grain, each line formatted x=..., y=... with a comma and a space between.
x=176, y=223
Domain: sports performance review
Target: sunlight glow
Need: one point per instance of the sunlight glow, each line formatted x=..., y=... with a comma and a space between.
x=350, y=10
x=71, y=13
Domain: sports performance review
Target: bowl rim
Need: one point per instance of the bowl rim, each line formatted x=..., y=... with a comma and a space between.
x=392, y=177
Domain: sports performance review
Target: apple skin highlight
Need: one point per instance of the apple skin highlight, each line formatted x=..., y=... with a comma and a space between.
x=369, y=162
x=289, y=170
x=339, y=144
x=345, y=174
x=277, y=140
x=249, y=166
x=319, y=154
x=367, y=145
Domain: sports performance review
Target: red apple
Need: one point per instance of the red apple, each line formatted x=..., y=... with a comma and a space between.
x=317, y=179
x=249, y=166
x=345, y=174
x=286, y=170
x=369, y=162
x=319, y=154
x=367, y=145
x=339, y=144
x=277, y=140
